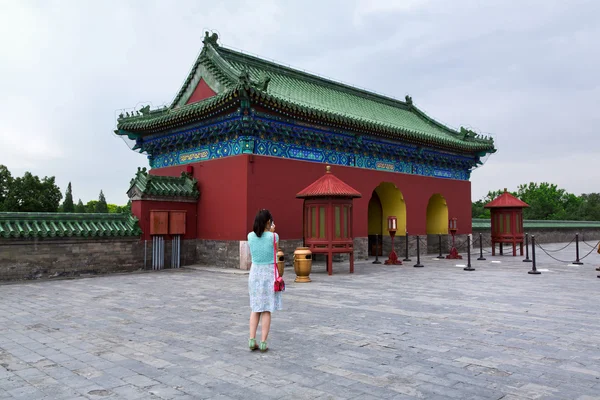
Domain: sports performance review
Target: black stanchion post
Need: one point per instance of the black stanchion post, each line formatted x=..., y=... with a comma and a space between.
x=481, y=257
x=468, y=267
x=418, y=264
x=527, y=248
x=376, y=250
x=577, y=262
x=440, y=245
x=406, y=251
x=534, y=270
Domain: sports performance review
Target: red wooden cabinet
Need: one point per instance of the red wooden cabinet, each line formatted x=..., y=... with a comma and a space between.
x=159, y=222
x=167, y=222
x=177, y=222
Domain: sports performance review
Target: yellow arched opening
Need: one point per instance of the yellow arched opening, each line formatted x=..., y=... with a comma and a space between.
x=437, y=215
x=375, y=215
x=392, y=204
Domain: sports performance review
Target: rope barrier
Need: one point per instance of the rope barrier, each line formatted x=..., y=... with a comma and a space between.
x=551, y=256
x=458, y=246
x=591, y=251
x=593, y=247
x=554, y=251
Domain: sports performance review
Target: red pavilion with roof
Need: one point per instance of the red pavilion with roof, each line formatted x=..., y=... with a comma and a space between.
x=251, y=133
x=507, y=221
x=328, y=217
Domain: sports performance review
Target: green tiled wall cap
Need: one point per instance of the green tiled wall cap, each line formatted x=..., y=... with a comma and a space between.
x=483, y=223
x=67, y=225
x=144, y=184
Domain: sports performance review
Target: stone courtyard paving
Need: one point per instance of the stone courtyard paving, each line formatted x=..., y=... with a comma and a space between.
x=385, y=332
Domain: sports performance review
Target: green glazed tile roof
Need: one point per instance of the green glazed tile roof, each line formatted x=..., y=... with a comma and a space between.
x=479, y=223
x=145, y=184
x=67, y=225
x=285, y=89
x=167, y=117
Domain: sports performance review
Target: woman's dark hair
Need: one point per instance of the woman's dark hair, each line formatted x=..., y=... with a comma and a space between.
x=260, y=221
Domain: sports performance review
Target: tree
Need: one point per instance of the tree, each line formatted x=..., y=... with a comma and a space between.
x=101, y=206
x=547, y=201
x=68, y=205
x=589, y=209
x=6, y=181
x=80, y=208
x=90, y=206
x=126, y=209
x=30, y=194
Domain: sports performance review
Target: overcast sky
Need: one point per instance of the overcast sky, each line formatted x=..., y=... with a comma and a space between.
x=525, y=72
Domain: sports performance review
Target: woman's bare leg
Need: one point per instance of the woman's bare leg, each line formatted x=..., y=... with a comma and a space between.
x=254, y=318
x=265, y=326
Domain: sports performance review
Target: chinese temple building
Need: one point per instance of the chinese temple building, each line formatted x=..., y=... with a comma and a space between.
x=253, y=133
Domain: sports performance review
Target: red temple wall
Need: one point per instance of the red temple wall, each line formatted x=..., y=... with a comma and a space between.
x=233, y=189
x=202, y=91
x=221, y=208
x=275, y=182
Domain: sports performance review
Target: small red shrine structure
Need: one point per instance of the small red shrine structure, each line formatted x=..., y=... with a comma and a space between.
x=507, y=221
x=328, y=217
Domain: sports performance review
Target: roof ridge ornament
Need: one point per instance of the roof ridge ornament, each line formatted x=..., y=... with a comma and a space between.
x=408, y=100
x=263, y=83
x=145, y=110
x=467, y=133
x=244, y=77
x=210, y=39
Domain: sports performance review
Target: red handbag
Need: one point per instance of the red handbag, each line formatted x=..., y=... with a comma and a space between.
x=279, y=283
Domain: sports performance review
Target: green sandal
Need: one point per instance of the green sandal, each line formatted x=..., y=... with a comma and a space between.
x=252, y=344
x=263, y=347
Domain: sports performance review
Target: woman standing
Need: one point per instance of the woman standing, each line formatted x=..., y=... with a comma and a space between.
x=263, y=298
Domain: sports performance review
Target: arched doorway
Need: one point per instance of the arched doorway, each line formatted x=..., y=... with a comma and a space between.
x=385, y=201
x=375, y=223
x=437, y=215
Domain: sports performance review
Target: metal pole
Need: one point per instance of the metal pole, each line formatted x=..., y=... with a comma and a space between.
x=468, y=267
x=481, y=257
x=418, y=264
x=406, y=248
x=526, y=248
x=440, y=246
x=376, y=250
x=145, y=249
x=577, y=250
x=161, y=255
x=534, y=270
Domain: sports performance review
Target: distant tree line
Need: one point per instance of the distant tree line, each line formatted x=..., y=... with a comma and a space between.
x=547, y=202
x=29, y=193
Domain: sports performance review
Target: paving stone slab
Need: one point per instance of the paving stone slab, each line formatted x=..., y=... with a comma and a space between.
x=384, y=332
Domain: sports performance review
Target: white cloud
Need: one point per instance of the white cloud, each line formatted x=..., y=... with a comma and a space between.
x=525, y=74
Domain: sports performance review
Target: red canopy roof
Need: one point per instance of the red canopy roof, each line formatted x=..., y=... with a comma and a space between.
x=506, y=200
x=328, y=186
